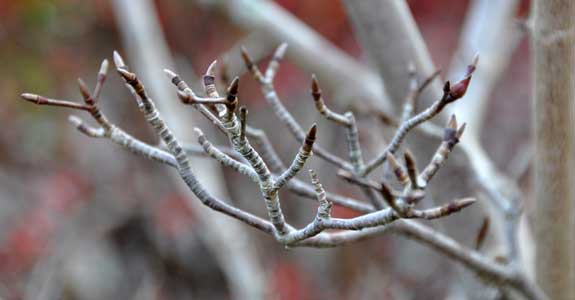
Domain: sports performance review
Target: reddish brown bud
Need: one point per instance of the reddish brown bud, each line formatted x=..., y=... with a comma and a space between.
x=234, y=87
x=447, y=87
x=458, y=90
x=85, y=92
x=387, y=194
x=310, y=137
x=315, y=89
x=482, y=233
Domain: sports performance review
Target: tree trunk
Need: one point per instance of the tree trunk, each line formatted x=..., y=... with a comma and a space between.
x=553, y=82
x=391, y=41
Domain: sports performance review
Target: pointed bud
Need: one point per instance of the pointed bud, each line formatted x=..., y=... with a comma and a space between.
x=171, y=74
x=397, y=169
x=212, y=69
x=409, y=160
x=201, y=137
x=118, y=60
x=387, y=194
x=85, y=92
x=315, y=89
x=30, y=97
x=465, y=202
x=83, y=88
x=391, y=161
x=412, y=171
x=482, y=233
x=233, y=88
x=198, y=131
x=452, y=123
x=458, y=90
x=310, y=138
x=447, y=87
x=471, y=68
x=461, y=130
x=103, y=68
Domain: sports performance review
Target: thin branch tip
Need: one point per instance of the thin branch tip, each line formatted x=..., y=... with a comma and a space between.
x=246, y=57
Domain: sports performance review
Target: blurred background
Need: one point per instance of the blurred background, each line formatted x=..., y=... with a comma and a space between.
x=82, y=218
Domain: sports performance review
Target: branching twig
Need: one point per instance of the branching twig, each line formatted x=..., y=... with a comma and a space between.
x=450, y=94
x=372, y=222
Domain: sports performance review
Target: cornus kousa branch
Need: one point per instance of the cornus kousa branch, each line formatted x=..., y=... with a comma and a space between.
x=450, y=95
x=264, y=167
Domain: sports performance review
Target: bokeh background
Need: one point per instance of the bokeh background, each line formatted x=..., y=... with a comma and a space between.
x=83, y=219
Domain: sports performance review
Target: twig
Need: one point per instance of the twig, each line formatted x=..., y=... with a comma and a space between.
x=450, y=94
x=283, y=114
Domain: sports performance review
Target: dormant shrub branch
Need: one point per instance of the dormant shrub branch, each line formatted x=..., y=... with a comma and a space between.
x=264, y=167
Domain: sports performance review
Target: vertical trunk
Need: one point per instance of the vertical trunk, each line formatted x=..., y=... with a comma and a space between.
x=553, y=81
x=391, y=41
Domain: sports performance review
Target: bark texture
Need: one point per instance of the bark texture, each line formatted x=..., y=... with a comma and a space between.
x=553, y=82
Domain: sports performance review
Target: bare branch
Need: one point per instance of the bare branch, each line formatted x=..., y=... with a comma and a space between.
x=224, y=159
x=41, y=100
x=450, y=94
x=299, y=161
x=285, y=117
